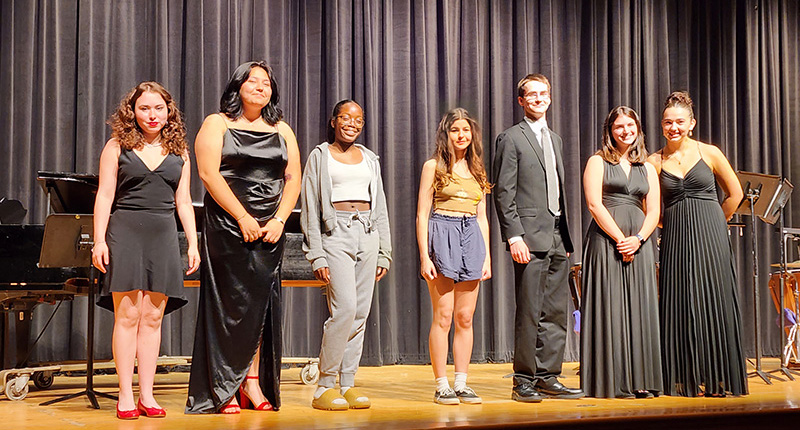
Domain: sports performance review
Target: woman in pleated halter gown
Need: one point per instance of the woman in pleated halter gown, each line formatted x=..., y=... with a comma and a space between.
x=700, y=319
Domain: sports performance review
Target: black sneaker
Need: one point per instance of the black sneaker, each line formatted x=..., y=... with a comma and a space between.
x=446, y=397
x=467, y=395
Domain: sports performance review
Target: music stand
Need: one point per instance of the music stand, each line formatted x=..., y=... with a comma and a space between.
x=68, y=243
x=764, y=196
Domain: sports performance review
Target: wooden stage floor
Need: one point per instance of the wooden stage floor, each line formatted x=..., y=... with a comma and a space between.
x=402, y=399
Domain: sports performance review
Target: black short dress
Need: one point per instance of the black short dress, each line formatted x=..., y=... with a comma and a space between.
x=142, y=234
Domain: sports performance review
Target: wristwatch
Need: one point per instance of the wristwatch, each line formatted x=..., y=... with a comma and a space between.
x=641, y=239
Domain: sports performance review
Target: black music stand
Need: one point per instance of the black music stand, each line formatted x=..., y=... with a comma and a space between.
x=764, y=196
x=68, y=243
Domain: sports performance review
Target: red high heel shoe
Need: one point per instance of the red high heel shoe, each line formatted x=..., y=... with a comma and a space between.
x=230, y=409
x=127, y=415
x=246, y=402
x=151, y=412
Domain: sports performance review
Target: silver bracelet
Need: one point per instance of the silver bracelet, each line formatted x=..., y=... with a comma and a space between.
x=279, y=219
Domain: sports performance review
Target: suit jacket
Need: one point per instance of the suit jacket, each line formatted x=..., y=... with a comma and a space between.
x=520, y=189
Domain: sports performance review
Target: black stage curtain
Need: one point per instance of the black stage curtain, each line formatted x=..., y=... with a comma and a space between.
x=65, y=64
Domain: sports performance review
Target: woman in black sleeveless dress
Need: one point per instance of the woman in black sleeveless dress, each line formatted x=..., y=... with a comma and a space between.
x=249, y=162
x=144, y=177
x=700, y=319
x=620, y=344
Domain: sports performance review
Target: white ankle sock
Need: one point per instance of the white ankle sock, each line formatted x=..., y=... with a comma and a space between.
x=460, y=382
x=442, y=384
x=344, y=390
x=320, y=391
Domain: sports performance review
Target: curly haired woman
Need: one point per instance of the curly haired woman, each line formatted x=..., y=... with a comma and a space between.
x=144, y=178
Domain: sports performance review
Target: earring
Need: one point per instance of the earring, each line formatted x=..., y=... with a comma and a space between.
x=690, y=133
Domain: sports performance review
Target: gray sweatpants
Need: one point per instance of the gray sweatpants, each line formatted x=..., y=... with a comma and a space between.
x=352, y=253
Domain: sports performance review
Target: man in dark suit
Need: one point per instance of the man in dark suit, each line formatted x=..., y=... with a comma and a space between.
x=528, y=176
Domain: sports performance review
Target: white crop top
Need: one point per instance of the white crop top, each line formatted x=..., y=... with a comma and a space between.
x=350, y=182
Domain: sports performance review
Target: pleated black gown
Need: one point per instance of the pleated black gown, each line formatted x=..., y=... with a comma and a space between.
x=240, y=285
x=620, y=342
x=700, y=319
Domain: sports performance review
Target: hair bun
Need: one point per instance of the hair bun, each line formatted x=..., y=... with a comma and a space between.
x=679, y=99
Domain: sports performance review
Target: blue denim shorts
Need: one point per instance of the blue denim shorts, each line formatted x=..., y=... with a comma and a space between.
x=455, y=245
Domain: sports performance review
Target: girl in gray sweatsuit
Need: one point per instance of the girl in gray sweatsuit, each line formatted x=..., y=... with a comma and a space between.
x=346, y=239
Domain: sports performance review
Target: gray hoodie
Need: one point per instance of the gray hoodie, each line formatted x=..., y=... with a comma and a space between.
x=318, y=216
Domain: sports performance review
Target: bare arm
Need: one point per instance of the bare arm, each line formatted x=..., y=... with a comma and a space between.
x=593, y=190
x=726, y=177
x=652, y=203
x=424, y=204
x=107, y=187
x=208, y=149
x=655, y=160
x=183, y=205
x=291, y=188
x=483, y=223
x=273, y=230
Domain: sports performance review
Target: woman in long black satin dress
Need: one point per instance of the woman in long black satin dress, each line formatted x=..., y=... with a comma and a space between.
x=249, y=162
x=700, y=319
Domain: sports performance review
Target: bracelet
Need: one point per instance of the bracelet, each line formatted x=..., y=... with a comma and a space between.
x=98, y=243
x=641, y=239
x=240, y=218
x=279, y=219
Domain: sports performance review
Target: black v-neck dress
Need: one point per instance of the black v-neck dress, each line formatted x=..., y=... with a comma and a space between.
x=142, y=235
x=620, y=342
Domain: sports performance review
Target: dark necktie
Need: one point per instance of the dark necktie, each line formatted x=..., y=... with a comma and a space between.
x=550, y=172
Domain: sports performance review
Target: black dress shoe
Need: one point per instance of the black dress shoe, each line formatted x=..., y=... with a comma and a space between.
x=525, y=392
x=556, y=390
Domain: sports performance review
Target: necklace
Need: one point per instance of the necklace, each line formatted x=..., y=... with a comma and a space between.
x=155, y=144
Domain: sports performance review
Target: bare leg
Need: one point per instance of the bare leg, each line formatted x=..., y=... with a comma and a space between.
x=441, y=291
x=251, y=387
x=127, y=311
x=149, y=344
x=466, y=298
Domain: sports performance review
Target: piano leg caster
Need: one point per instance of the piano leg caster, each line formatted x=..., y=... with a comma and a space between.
x=17, y=388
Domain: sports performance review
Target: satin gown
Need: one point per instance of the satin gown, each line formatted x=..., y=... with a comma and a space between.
x=142, y=234
x=700, y=319
x=620, y=341
x=240, y=286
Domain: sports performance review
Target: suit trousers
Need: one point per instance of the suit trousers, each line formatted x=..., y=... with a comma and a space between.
x=352, y=253
x=540, y=325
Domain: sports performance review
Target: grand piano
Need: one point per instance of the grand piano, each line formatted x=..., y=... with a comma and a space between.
x=24, y=285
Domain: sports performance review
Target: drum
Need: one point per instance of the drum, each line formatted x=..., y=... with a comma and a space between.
x=791, y=290
x=790, y=287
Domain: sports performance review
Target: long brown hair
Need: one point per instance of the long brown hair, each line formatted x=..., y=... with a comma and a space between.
x=445, y=155
x=127, y=131
x=609, y=152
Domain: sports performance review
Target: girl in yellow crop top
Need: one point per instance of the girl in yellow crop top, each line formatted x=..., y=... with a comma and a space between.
x=453, y=244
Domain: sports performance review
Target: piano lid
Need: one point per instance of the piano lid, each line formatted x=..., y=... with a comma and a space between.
x=69, y=192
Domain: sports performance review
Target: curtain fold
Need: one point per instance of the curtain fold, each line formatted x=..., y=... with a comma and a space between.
x=65, y=65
